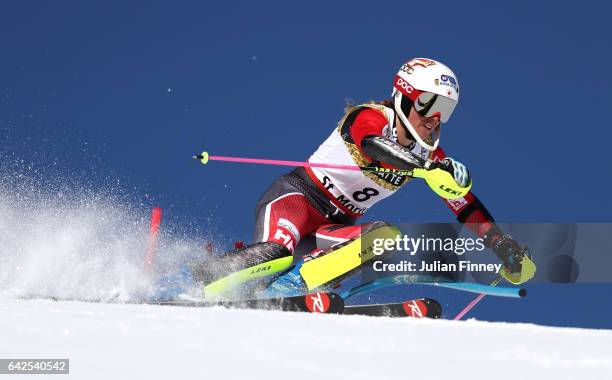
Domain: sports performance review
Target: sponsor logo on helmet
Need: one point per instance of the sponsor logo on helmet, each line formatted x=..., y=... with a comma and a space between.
x=423, y=62
x=407, y=68
x=404, y=87
x=447, y=80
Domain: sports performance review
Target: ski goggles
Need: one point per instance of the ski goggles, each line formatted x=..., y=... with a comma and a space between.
x=428, y=104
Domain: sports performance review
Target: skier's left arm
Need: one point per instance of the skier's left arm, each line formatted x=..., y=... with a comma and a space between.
x=518, y=266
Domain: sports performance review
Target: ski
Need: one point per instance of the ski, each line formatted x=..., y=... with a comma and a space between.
x=321, y=302
x=419, y=308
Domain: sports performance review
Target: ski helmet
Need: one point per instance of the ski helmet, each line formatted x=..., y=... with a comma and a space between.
x=431, y=87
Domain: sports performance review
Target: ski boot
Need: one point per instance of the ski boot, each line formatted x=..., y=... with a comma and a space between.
x=288, y=284
x=171, y=287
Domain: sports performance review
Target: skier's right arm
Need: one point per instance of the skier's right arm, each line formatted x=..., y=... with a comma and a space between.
x=385, y=150
x=367, y=133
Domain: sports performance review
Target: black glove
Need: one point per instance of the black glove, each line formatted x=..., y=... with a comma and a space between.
x=510, y=252
x=518, y=265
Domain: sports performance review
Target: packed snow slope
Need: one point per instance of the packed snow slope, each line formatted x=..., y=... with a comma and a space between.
x=123, y=341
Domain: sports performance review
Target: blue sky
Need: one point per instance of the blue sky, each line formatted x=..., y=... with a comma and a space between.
x=133, y=90
x=126, y=92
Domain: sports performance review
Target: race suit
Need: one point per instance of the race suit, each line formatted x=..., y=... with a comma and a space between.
x=300, y=202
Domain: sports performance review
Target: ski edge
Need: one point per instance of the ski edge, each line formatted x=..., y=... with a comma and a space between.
x=417, y=308
x=319, y=302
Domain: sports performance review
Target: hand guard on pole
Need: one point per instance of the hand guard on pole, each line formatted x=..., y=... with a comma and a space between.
x=518, y=266
x=436, y=174
x=459, y=172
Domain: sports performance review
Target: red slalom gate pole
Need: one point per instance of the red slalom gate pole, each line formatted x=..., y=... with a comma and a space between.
x=156, y=217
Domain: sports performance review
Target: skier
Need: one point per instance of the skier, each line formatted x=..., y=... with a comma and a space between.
x=400, y=133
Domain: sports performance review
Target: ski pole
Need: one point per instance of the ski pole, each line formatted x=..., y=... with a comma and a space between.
x=440, y=181
x=475, y=301
x=204, y=158
x=412, y=279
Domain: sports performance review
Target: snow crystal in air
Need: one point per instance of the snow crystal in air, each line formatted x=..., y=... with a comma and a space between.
x=59, y=239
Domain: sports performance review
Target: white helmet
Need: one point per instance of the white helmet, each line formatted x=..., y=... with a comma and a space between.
x=431, y=87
